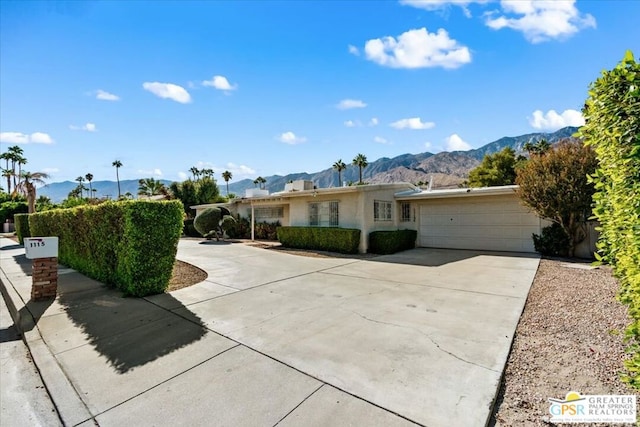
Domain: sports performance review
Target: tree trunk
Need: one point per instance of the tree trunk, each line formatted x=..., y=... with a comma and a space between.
x=31, y=197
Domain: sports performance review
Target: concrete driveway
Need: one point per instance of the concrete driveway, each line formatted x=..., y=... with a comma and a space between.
x=276, y=339
x=424, y=333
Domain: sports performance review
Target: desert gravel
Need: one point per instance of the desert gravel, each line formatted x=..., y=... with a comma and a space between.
x=569, y=338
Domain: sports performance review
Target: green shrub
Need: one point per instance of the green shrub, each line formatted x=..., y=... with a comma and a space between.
x=9, y=209
x=612, y=128
x=189, y=230
x=390, y=242
x=212, y=222
x=343, y=240
x=22, y=227
x=241, y=229
x=553, y=241
x=127, y=244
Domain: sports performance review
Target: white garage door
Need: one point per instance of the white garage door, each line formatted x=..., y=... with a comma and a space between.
x=497, y=223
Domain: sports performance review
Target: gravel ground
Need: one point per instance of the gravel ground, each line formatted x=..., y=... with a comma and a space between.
x=569, y=338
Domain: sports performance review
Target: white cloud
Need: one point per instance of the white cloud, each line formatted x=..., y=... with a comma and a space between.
x=50, y=171
x=413, y=123
x=106, y=96
x=373, y=121
x=541, y=21
x=168, y=91
x=431, y=5
x=291, y=138
x=220, y=83
x=418, y=49
x=554, y=121
x=152, y=172
x=347, y=104
x=380, y=140
x=23, y=138
x=354, y=50
x=239, y=170
x=428, y=145
x=14, y=138
x=455, y=143
x=89, y=127
x=183, y=176
x=352, y=124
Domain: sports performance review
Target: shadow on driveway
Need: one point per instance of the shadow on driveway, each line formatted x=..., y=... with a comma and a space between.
x=433, y=257
x=131, y=332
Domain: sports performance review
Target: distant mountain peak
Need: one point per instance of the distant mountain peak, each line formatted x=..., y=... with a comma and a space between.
x=447, y=169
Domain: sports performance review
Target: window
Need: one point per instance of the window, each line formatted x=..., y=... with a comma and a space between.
x=323, y=214
x=405, y=212
x=382, y=210
x=269, y=212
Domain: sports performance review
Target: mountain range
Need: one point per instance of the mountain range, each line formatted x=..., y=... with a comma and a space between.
x=445, y=169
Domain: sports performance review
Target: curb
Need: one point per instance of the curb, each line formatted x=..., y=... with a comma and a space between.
x=70, y=407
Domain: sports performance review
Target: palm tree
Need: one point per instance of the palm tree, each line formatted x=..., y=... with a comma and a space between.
x=89, y=177
x=227, y=176
x=196, y=172
x=15, y=155
x=150, y=187
x=260, y=181
x=339, y=166
x=80, y=180
x=117, y=164
x=27, y=187
x=361, y=161
x=20, y=161
x=7, y=172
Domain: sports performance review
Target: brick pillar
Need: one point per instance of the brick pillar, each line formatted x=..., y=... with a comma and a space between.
x=44, y=278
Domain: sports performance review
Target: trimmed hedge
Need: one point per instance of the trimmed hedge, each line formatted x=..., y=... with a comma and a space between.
x=334, y=239
x=22, y=226
x=612, y=128
x=390, y=242
x=127, y=244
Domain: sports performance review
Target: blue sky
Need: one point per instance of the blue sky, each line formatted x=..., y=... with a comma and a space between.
x=261, y=88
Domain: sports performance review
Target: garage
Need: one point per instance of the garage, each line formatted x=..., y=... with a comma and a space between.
x=481, y=220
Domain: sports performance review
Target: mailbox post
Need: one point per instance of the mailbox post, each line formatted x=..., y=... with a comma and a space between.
x=44, y=276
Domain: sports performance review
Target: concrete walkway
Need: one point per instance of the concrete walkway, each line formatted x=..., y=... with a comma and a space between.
x=419, y=337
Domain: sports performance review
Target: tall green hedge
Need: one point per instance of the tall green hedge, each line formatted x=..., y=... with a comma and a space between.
x=612, y=114
x=343, y=240
x=22, y=226
x=127, y=244
x=390, y=242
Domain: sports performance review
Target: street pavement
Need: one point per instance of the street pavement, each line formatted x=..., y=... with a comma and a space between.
x=24, y=400
x=415, y=338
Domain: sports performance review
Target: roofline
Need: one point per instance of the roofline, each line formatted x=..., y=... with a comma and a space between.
x=281, y=195
x=459, y=192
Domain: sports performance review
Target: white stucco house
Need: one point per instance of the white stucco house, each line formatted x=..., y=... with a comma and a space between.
x=489, y=218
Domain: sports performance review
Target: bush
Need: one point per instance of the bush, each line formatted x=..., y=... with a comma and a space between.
x=9, y=209
x=390, y=242
x=212, y=222
x=128, y=244
x=241, y=229
x=189, y=230
x=343, y=240
x=22, y=227
x=553, y=241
